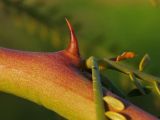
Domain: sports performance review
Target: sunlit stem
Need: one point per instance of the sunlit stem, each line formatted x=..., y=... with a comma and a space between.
x=91, y=63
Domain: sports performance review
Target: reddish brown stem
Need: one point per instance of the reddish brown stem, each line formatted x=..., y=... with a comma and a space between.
x=55, y=81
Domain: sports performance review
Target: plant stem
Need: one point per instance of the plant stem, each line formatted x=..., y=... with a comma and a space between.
x=122, y=68
x=97, y=88
x=106, y=63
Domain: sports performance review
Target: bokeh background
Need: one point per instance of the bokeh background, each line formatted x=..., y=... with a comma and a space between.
x=105, y=28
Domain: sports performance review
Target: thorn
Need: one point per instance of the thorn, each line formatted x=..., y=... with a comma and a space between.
x=73, y=45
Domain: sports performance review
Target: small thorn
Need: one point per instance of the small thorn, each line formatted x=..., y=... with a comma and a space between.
x=73, y=45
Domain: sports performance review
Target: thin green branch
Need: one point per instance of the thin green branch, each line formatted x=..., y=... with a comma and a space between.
x=97, y=88
x=124, y=69
x=106, y=63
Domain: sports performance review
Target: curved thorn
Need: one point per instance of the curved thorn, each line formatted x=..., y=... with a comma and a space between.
x=144, y=62
x=73, y=45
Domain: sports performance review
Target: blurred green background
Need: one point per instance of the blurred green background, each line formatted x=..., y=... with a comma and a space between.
x=104, y=28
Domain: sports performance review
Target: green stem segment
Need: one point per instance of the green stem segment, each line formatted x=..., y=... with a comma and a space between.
x=124, y=69
x=137, y=83
x=91, y=63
